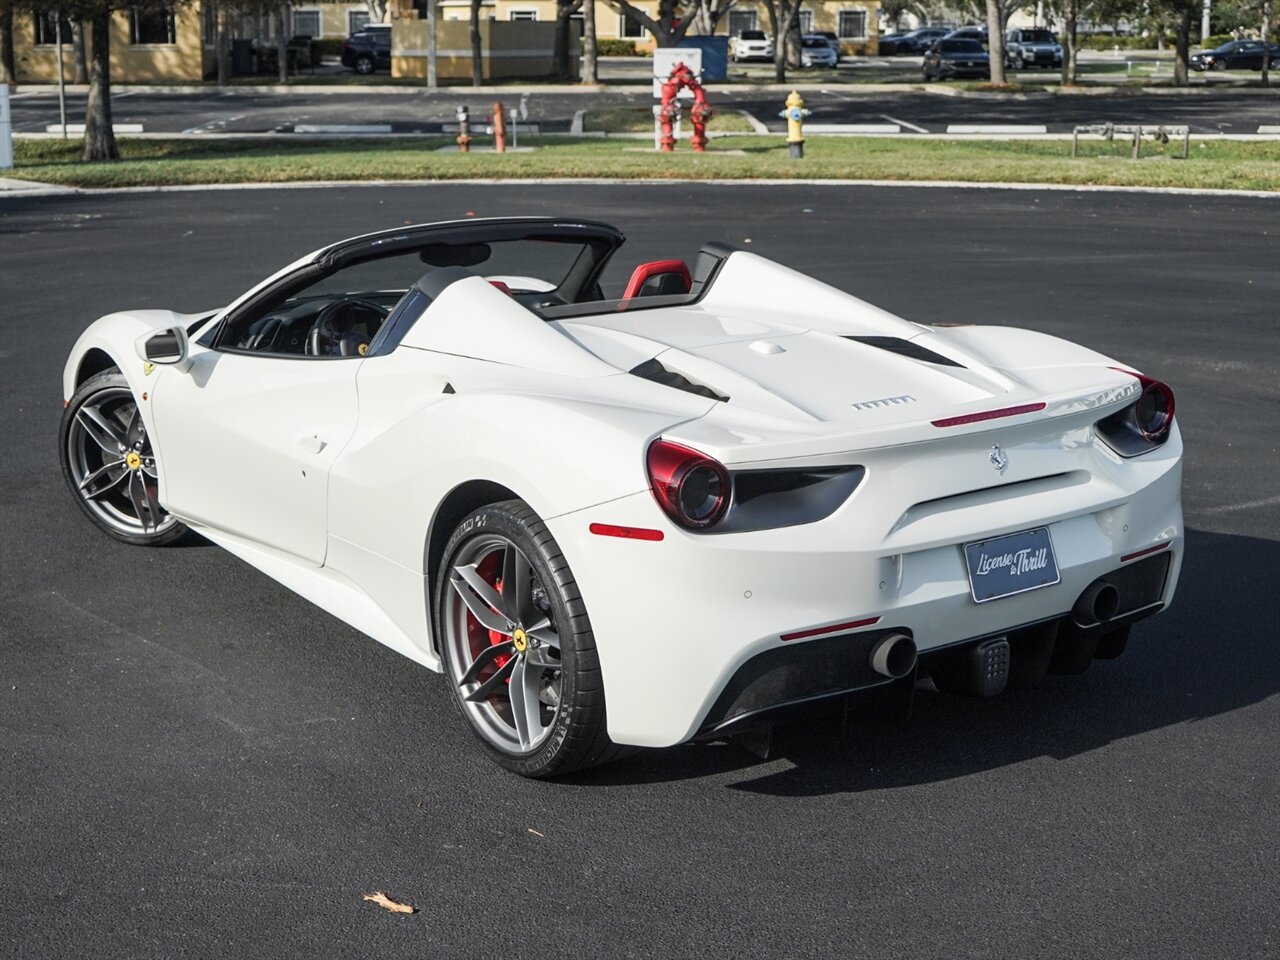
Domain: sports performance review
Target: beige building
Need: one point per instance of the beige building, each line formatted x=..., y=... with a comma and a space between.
x=176, y=46
x=145, y=46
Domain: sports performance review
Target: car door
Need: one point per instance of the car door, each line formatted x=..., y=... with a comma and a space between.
x=246, y=443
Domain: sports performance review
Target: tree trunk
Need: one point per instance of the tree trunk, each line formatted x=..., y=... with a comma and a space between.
x=8, y=71
x=793, y=37
x=282, y=41
x=560, y=42
x=377, y=10
x=221, y=47
x=779, y=49
x=1182, y=45
x=995, y=41
x=1266, y=40
x=80, y=62
x=99, y=138
x=1069, y=42
x=590, y=73
x=477, y=66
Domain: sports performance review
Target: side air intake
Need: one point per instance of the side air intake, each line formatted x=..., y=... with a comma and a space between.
x=906, y=348
x=656, y=372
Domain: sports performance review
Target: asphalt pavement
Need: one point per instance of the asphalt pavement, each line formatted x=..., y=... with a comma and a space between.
x=415, y=110
x=195, y=762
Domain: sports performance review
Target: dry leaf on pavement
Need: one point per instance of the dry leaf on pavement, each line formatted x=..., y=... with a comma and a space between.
x=395, y=906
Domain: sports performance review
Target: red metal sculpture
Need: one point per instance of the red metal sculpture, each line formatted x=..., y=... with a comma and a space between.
x=700, y=114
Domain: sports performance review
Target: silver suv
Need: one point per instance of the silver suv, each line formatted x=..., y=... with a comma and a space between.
x=1032, y=48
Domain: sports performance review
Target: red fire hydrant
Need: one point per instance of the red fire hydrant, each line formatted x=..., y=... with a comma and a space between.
x=700, y=114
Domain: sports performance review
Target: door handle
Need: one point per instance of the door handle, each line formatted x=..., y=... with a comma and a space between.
x=312, y=444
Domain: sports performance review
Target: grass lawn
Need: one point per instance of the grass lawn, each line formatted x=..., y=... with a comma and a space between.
x=1213, y=164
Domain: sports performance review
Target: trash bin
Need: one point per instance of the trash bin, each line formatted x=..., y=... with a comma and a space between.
x=715, y=56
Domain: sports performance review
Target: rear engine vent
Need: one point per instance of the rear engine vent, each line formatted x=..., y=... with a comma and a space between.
x=655, y=371
x=906, y=348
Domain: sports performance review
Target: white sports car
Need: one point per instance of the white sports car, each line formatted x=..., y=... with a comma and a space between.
x=675, y=515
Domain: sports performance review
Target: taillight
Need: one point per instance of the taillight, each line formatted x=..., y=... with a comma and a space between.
x=1153, y=413
x=1145, y=423
x=690, y=487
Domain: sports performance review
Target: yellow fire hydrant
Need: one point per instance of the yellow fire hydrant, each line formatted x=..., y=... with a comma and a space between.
x=795, y=114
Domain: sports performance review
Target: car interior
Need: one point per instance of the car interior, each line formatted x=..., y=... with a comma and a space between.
x=337, y=310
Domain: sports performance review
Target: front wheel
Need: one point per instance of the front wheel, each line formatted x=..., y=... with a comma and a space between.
x=109, y=465
x=517, y=645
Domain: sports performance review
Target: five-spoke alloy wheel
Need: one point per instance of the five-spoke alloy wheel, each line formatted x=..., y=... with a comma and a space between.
x=109, y=464
x=517, y=645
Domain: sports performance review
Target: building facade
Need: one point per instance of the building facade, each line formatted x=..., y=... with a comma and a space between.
x=176, y=46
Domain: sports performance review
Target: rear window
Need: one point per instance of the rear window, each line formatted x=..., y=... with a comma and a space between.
x=961, y=46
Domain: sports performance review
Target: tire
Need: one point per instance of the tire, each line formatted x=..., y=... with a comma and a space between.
x=364, y=65
x=488, y=655
x=1219, y=65
x=108, y=464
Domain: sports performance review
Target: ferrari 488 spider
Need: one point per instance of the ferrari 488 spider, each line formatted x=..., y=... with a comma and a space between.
x=677, y=514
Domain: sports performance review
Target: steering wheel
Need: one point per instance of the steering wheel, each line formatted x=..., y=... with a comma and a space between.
x=328, y=335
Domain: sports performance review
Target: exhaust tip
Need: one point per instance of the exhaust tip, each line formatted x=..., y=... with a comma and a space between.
x=1098, y=604
x=894, y=656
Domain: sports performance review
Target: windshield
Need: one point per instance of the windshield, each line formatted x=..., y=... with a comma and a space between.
x=753, y=35
x=961, y=46
x=814, y=42
x=1037, y=36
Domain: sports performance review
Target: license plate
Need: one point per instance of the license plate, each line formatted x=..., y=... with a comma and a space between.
x=1016, y=563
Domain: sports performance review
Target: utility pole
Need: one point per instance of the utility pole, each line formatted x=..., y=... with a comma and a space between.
x=432, y=78
x=1204, y=22
x=62, y=74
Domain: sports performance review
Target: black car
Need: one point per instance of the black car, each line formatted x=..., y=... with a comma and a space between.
x=949, y=59
x=368, y=49
x=1236, y=55
x=972, y=32
x=911, y=42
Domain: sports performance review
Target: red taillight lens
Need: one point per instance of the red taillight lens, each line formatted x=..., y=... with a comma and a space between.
x=692, y=488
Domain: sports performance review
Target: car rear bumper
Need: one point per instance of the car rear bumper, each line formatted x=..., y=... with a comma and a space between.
x=677, y=620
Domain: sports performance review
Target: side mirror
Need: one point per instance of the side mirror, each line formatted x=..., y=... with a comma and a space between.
x=168, y=346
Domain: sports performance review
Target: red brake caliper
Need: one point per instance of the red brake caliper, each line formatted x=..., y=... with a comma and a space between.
x=497, y=639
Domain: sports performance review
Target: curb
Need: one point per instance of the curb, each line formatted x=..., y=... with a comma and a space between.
x=52, y=190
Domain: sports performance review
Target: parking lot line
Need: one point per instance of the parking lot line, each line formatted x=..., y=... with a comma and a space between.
x=903, y=123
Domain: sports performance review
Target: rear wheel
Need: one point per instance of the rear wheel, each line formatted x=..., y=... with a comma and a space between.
x=517, y=645
x=364, y=64
x=109, y=465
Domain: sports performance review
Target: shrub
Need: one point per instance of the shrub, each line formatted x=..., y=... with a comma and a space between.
x=1107, y=42
x=616, y=48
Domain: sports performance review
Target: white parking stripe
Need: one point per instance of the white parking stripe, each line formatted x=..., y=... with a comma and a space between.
x=903, y=123
x=1272, y=128
x=997, y=128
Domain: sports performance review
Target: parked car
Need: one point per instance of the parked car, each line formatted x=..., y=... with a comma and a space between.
x=910, y=43
x=1236, y=55
x=831, y=39
x=368, y=49
x=972, y=32
x=752, y=45
x=950, y=59
x=816, y=52
x=1032, y=48
x=732, y=492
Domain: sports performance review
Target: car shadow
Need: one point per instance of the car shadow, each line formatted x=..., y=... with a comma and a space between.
x=1212, y=653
